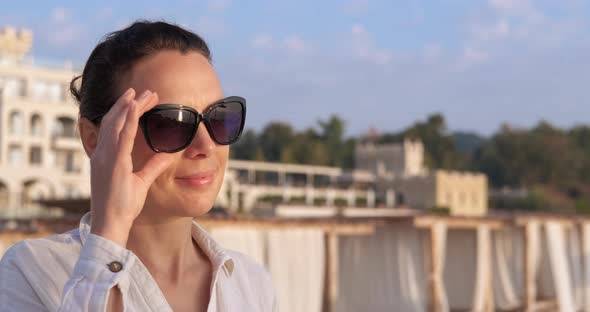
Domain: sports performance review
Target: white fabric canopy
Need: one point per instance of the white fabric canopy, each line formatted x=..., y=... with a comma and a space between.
x=575, y=261
x=384, y=271
x=247, y=241
x=559, y=267
x=484, y=269
x=508, y=265
x=389, y=270
x=296, y=259
x=460, y=268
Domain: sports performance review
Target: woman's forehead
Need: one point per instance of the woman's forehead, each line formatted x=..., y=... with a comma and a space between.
x=180, y=78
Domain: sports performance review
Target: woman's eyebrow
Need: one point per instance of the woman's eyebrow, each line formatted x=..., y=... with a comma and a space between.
x=212, y=104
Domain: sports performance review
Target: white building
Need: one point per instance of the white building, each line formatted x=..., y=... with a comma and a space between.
x=40, y=151
x=400, y=167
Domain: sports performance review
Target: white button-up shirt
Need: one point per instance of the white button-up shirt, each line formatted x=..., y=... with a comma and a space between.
x=70, y=272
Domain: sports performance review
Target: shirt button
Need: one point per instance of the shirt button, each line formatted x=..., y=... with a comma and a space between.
x=115, y=266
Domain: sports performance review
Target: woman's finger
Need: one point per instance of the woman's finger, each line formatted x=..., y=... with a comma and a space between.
x=129, y=131
x=114, y=120
x=154, y=167
x=145, y=106
x=119, y=105
x=106, y=134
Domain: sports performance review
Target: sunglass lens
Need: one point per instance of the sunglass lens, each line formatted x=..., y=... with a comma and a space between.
x=170, y=130
x=226, y=121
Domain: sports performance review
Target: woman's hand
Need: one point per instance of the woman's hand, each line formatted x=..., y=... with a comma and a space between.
x=117, y=192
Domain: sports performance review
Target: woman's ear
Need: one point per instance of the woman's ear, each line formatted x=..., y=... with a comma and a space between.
x=88, y=135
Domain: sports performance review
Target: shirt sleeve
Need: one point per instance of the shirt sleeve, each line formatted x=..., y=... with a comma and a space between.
x=101, y=265
x=16, y=292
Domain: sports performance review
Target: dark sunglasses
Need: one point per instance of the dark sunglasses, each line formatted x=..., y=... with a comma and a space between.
x=170, y=128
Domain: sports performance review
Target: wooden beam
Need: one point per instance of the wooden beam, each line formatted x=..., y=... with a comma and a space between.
x=339, y=228
x=457, y=222
x=565, y=221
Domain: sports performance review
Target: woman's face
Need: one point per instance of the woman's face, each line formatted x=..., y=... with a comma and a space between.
x=190, y=80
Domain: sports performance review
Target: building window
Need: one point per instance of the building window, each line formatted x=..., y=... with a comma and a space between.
x=64, y=92
x=69, y=161
x=71, y=192
x=46, y=90
x=4, y=196
x=64, y=127
x=35, y=157
x=449, y=198
x=462, y=199
x=15, y=155
x=36, y=126
x=13, y=87
x=16, y=123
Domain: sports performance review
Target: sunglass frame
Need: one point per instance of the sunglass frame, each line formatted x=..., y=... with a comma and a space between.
x=199, y=117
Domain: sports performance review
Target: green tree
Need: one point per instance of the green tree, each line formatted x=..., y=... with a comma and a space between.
x=247, y=147
x=440, y=151
x=274, y=138
x=331, y=135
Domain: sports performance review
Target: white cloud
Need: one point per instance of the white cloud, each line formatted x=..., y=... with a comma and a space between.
x=64, y=36
x=432, y=52
x=498, y=30
x=60, y=15
x=473, y=56
x=382, y=57
x=209, y=26
x=218, y=5
x=262, y=41
x=417, y=12
x=296, y=46
x=61, y=29
x=357, y=6
x=104, y=14
x=512, y=6
x=365, y=47
x=359, y=30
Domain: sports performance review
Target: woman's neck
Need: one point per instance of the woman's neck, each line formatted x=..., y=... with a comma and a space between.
x=165, y=246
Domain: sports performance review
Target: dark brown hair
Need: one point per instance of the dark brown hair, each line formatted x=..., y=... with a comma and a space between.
x=117, y=52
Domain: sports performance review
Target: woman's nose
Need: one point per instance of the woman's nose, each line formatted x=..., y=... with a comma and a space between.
x=202, y=145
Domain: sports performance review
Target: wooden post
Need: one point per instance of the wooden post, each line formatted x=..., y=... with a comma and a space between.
x=483, y=299
x=438, y=233
x=531, y=241
x=584, y=228
x=489, y=271
x=331, y=272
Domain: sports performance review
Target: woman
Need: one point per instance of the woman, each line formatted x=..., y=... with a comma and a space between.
x=155, y=124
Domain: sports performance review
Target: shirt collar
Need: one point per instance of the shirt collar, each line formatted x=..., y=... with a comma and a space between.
x=214, y=251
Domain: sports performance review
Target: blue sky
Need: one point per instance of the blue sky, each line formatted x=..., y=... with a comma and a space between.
x=381, y=64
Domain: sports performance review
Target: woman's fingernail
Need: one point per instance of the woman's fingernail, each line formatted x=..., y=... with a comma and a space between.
x=145, y=94
x=128, y=92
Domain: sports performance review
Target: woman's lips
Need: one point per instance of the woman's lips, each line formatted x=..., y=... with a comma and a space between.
x=198, y=179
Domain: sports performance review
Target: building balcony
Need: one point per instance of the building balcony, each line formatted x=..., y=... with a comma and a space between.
x=66, y=143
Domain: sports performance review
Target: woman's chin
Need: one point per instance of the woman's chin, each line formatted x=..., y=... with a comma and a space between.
x=183, y=202
x=195, y=208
